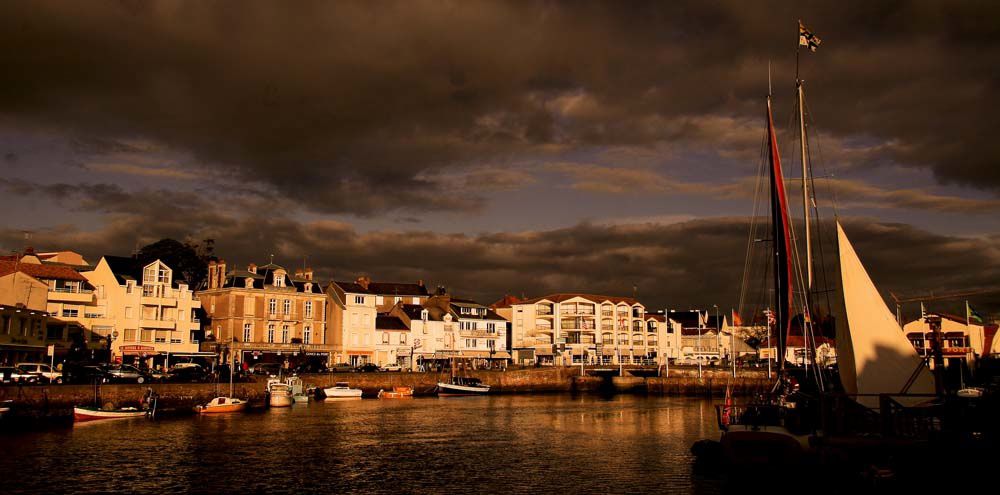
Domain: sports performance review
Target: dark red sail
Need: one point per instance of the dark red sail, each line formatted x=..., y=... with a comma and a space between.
x=781, y=234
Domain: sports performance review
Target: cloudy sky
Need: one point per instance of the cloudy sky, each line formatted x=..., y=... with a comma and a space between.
x=495, y=147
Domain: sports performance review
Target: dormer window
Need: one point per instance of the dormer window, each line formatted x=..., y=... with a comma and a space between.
x=308, y=287
x=279, y=279
x=248, y=283
x=424, y=314
x=156, y=272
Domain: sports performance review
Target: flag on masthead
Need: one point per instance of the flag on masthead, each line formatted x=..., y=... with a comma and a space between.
x=807, y=38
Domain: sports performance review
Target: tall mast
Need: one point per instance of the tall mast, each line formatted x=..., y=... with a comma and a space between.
x=805, y=184
x=781, y=235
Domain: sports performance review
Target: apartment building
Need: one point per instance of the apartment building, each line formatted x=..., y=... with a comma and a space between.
x=352, y=314
x=570, y=328
x=266, y=314
x=149, y=315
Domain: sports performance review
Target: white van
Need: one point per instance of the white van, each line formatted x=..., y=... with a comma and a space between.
x=42, y=369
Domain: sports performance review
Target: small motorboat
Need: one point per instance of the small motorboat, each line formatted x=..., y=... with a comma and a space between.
x=970, y=393
x=220, y=405
x=459, y=386
x=5, y=407
x=341, y=390
x=396, y=393
x=85, y=413
x=279, y=394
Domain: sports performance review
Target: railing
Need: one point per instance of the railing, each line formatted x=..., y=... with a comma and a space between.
x=72, y=290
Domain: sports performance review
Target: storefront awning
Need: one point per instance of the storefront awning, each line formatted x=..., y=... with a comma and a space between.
x=193, y=354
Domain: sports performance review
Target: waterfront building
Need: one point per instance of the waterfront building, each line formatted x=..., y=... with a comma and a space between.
x=481, y=332
x=23, y=317
x=393, y=344
x=149, y=315
x=266, y=314
x=353, y=310
x=962, y=340
x=567, y=328
x=69, y=297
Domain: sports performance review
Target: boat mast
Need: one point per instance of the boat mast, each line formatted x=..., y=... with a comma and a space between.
x=805, y=177
x=782, y=244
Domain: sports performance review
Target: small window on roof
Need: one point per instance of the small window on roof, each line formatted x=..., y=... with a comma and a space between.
x=249, y=282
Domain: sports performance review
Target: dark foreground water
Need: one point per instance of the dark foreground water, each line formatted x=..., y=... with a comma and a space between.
x=501, y=444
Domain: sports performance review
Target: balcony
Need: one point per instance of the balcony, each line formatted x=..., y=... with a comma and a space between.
x=159, y=324
x=543, y=311
x=477, y=333
x=70, y=295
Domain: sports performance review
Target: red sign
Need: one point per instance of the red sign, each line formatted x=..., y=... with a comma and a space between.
x=137, y=348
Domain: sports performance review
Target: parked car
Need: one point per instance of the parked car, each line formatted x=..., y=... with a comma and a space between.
x=340, y=368
x=84, y=373
x=310, y=368
x=392, y=367
x=41, y=369
x=367, y=368
x=13, y=374
x=189, y=374
x=266, y=369
x=127, y=373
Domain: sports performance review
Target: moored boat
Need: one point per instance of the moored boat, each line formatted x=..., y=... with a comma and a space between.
x=84, y=413
x=341, y=390
x=5, y=407
x=461, y=386
x=279, y=394
x=221, y=405
x=396, y=393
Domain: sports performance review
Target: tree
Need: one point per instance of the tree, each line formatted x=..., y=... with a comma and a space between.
x=183, y=258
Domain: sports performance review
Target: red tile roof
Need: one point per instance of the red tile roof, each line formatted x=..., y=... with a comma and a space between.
x=506, y=302
x=590, y=297
x=41, y=272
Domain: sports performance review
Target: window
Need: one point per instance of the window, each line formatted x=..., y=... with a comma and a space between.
x=491, y=327
x=279, y=279
x=70, y=313
x=385, y=337
x=272, y=306
x=379, y=300
x=248, y=283
x=163, y=275
x=307, y=335
x=175, y=341
x=359, y=299
x=402, y=338
x=308, y=287
x=468, y=342
x=148, y=290
x=247, y=331
x=129, y=335
x=466, y=311
x=129, y=286
x=54, y=333
x=284, y=334
x=287, y=307
x=161, y=337
x=474, y=343
x=652, y=326
x=309, y=309
x=270, y=333
x=145, y=335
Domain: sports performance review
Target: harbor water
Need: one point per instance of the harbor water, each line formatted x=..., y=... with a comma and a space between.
x=495, y=444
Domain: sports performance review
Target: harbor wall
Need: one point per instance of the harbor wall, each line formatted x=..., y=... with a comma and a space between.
x=58, y=400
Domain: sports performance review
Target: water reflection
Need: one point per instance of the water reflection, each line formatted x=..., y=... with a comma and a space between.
x=508, y=444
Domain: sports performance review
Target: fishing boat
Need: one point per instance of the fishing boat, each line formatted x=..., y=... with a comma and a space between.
x=223, y=404
x=88, y=413
x=299, y=394
x=279, y=394
x=396, y=393
x=461, y=385
x=341, y=390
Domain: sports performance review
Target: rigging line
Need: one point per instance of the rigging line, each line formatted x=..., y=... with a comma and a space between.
x=816, y=213
x=835, y=202
x=748, y=260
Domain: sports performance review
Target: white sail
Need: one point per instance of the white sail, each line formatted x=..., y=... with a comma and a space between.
x=873, y=354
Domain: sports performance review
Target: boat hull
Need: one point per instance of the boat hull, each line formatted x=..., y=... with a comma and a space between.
x=396, y=393
x=452, y=390
x=339, y=393
x=280, y=401
x=83, y=414
x=223, y=409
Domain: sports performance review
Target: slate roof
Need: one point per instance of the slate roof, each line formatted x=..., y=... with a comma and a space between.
x=384, y=289
x=687, y=319
x=387, y=322
x=265, y=277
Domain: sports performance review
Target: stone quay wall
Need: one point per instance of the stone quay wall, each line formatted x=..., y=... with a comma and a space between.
x=57, y=401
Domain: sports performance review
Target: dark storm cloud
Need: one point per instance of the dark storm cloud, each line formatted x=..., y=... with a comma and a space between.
x=696, y=263
x=352, y=107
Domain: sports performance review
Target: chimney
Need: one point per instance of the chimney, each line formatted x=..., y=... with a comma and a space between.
x=220, y=273
x=363, y=281
x=298, y=273
x=441, y=291
x=212, y=269
x=252, y=268
x=308, y=273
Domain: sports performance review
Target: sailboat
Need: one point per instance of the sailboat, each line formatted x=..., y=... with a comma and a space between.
x=874, y=357
x=223, y=404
